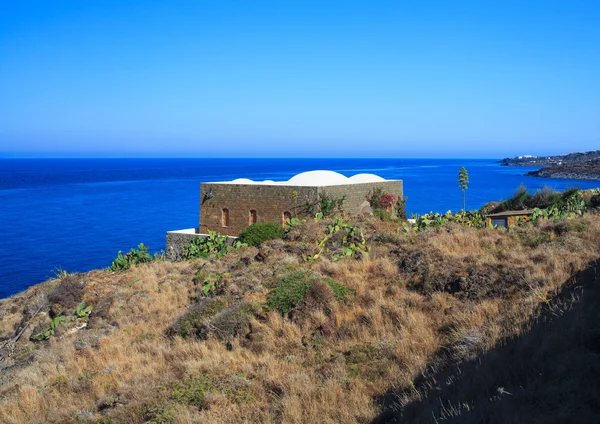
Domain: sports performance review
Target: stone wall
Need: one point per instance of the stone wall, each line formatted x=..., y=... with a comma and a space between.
x=271, y=202
x=175, y=240
x=356, y=194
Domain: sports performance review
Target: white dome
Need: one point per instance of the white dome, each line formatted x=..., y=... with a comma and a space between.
x=242, y=181
x=319, y=178
x=315, y=179
x=366, y=178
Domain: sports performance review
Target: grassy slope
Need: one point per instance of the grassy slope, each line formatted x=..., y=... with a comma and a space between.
x=498, y=306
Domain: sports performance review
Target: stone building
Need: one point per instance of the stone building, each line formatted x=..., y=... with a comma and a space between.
x=229, y=207
x=508, y=218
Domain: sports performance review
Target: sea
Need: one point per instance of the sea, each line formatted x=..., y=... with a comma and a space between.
x=74, y=215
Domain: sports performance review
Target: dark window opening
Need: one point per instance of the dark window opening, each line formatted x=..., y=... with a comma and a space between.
x=286, y=216
x=225, y=217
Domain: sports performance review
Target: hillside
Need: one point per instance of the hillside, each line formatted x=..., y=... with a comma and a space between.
x=571, y=158
x=384, y=324
x=588, y=170
x=574, y=166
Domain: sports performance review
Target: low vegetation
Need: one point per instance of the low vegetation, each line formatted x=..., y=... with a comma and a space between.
x=415, y=323
x=213, y=243
x=257, y=234
x=133, y=257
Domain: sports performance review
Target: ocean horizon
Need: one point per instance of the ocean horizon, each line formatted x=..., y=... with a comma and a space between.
x=76, y=214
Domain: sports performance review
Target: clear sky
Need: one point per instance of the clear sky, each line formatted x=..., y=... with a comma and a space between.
x=281, y=78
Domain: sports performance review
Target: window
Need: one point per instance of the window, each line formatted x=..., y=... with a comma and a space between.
x=225, y=217
x=252, y=217
x=286, y=216
x=499, y=222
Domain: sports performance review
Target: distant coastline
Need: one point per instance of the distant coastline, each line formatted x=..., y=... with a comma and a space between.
x=575, y=166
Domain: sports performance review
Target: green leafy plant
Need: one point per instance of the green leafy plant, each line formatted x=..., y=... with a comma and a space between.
x=53, y=325
x=133, y=257
x=213, y=243
x=401, y=208
x=212, y=284
x=353, y=241
x=292, y=223
x=325, y=205
x=473, y=219
x=256, y=234
x=83, y=311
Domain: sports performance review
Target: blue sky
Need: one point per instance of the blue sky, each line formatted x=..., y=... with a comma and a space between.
x=312, y=79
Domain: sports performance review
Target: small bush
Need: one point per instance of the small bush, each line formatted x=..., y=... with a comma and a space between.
x=231, y=322
x=66, y=296
x=401, y=208
x=517, y=202
x=595, y=201
x=543, y=198
x=213, y=317
x=326, y=205
x=294, y=288
x=290, y=292
x=256, y=234
x=193, y=322
x=382, y=215
x=192, y=391
x=342, y=293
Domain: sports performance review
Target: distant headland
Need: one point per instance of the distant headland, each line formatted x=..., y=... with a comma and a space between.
x=579, y=166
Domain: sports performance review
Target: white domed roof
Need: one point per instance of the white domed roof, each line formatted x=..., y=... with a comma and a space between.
x=366, y=178
x=319, y=178
x=315, y=179
x=242, y=181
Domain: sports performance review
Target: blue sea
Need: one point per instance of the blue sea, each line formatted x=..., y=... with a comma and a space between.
x=76, y=214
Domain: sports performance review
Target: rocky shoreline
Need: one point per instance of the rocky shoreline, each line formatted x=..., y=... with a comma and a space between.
x=571, y=158
x=574, y=166
x=577, y=171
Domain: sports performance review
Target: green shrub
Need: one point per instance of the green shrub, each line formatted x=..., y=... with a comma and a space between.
x=401, y=208
x=213, y=317
x=342, y=293
x=159, y=414
x=133, y=257
x=193, y=322
x=230, y=322
x=519, y=201
x=291, y=291
x=382, y=215
x=325, y=206
x=294, y=287
x=256, y=234
x=595, y=201
x=192, y=391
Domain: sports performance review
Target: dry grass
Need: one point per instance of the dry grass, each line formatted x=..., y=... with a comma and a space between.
x=422, y=304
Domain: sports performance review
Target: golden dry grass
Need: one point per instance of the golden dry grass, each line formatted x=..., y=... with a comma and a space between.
x=325, y=363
